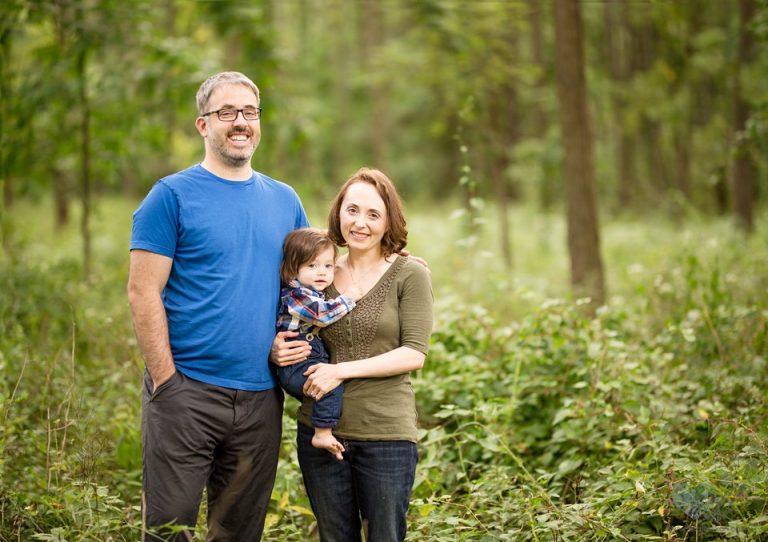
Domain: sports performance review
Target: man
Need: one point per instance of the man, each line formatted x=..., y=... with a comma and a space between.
x=203, y=287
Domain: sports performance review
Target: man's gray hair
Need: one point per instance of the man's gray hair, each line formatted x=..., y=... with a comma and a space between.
x=215, y=81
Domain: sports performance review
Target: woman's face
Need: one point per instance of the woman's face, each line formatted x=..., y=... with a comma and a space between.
x=363, y=217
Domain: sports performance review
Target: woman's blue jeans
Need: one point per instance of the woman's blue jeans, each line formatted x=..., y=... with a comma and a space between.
x=372, y=484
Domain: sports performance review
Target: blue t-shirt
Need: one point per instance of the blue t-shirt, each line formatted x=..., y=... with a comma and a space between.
x=226, y=240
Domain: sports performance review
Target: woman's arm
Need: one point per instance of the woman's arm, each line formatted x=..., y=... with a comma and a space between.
x=324, y=377
x=415, y=309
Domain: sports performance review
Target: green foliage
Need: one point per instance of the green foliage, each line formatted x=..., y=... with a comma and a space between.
x=67, y=423
x=68, y=411
x=646, y=422
x=351, y=83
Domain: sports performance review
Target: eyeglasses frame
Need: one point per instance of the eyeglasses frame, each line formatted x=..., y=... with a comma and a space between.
x=237, y=112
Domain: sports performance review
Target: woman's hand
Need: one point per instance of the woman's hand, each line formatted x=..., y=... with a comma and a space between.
x=284, y=353
x=321, y=379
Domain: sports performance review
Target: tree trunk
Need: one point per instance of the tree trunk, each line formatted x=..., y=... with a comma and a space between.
x=618, y=61
x=61, y=196
x=340, y=63
x=583, y=232
x=651, y=133
x=720, y=190
x=169, y=111
x=686, y=88
x=5, y=116
x=744, y=167
x=502, y=123
x=643, y=54
x=537, y=117
x=85, y=159
x=372, y=37
x=657, y=165
x=7, y=191
x=683, y=152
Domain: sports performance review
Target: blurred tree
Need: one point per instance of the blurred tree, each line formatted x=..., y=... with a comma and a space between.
x=643, y=60
x=12, y=15
x=372, y=30
x=501, y=126
x=583, y=231
x=85, y=149
x=744, y=167
x=617, y=47
x=342, y=96
x=392, y=84
x=81, y=28
x=14, y=121
x=537, y=119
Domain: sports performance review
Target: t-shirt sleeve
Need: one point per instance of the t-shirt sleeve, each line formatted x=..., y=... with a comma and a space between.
x=415, y=296
x=301, y=216
x=156, y=222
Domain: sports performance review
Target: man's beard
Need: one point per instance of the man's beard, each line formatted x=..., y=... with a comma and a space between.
x=242, y=157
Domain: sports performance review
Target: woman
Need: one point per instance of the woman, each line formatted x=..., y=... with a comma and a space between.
x=373, y=349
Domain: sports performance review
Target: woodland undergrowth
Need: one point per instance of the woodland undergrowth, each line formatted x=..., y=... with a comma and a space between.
x=644, y=421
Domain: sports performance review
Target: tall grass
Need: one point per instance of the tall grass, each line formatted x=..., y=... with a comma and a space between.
x=646, y=422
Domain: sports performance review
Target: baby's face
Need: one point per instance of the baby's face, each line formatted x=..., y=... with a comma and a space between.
x=318, y=273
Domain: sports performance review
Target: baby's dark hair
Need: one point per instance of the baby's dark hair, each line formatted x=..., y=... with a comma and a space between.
x=301, y=246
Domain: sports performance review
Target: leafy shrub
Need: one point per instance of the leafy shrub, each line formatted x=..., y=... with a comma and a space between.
x=644, y=422
x=69, y=421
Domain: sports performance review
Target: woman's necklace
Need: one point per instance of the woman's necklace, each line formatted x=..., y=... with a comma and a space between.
x=364, y=276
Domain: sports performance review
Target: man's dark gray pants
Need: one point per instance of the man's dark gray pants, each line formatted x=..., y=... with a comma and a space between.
x=197, y=435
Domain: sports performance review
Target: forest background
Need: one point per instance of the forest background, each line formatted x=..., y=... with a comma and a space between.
x=586, y=179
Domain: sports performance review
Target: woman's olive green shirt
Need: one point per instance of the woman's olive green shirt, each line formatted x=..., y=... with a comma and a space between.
x=396, y=312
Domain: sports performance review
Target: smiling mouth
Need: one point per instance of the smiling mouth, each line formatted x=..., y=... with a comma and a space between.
x=239, y=135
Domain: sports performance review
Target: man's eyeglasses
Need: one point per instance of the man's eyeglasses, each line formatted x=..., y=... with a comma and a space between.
x=228, y=115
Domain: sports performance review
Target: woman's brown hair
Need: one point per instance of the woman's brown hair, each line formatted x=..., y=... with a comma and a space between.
x=396, y=236
x=302, y=246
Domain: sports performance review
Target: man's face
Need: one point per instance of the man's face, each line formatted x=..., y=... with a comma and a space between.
x=231, y=142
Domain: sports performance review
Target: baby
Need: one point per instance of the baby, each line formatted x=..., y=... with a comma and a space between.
x=309, y=259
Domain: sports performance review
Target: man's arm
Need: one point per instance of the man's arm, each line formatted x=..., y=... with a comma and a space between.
x=148, y=274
